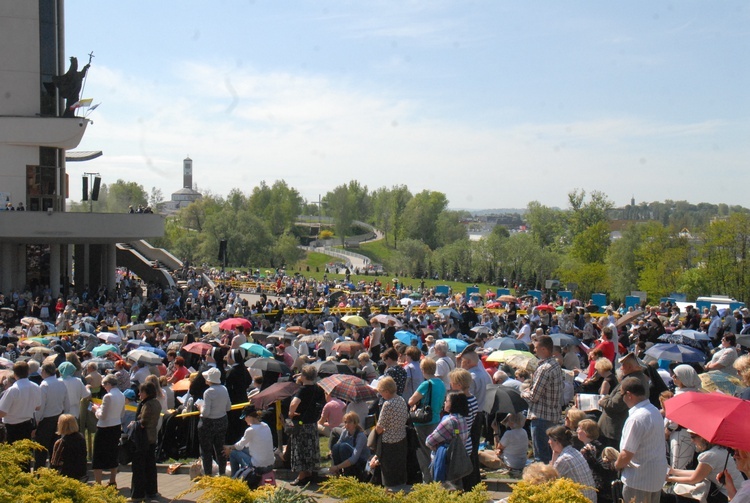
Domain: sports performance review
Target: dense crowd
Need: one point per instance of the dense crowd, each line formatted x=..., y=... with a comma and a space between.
x=392, y=374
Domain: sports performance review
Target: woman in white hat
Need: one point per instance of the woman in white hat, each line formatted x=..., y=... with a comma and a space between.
x=212, y=427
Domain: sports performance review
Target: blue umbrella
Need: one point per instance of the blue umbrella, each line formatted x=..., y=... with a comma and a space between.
x=407, y=337
x=691, y=334
x=104, y=349
x=456, y=345
x=256, y=349
x=562, y=340
x=676, y=353
x=506, y=343
x=154, y=350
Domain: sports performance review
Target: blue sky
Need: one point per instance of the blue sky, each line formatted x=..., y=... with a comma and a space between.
x=494, y=103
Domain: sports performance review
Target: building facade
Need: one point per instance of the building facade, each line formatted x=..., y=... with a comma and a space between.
x=43, y=246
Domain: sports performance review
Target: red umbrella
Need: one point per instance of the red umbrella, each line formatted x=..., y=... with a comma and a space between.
x=348, y=347
x=546, y=307
x=720, y=419
x=232, y=323
x=347, y=387
x=199, y=348
x=298, y=330
x=276, y=391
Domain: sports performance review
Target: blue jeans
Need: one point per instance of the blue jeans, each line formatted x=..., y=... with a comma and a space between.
x=239, y=459
x=539, y=439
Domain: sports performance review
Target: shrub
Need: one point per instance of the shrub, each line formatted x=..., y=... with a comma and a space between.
x=325, y=234
x=226, y=490
x=44, y=485
x=350, y=490
x=561, y=490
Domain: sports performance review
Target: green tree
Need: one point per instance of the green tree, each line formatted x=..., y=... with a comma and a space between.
x=726, y=254
x=286, y=250
x=340, y=207
x=411, y=257
x=278, y=205
x=546, y=224
x=621, y=262
x=591, y=244
x=661, y=258
x=421, y=215
x=122, y=194
x=388, y=208
x=449, y=227
x=583, y=214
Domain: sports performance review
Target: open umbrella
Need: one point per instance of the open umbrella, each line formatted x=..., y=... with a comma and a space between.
x=259, y=335
x=296, y=329
x=455, y=345
x=546, y=307
x=182, y=385
x=719, y=418
x=716, y=380
x=157, y=351
x=507, y=298
x=692, y=334
x=521, y=362
x=501, y=398
x=104, y=349
x=210, y=327
x=276, y=391
x=481, y=329
x=109, y=337
x=627, y=317
x=268, y=365
x=28, y=321
x=449, y=312
x=282, y=335
x=5, y=363
x=357, y=321
x=198, y=348
x=563, y=340
x=330, y=367
x=406, y=301
x=138, y=326
x=506, y=343
x=39, y=349
x=347, y=387
x=142, y=357
x=232, y=323
x=407, y=337
x=348, y=347
x=385, y=318
x=676, y=353
x=256, y=349
x=315, y=338
x=744, y=340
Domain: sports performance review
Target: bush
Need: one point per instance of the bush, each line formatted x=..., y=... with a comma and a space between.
x=226, y=490
x=325, y=234
x=561, y=490
x=350, y=490
x=44, y=485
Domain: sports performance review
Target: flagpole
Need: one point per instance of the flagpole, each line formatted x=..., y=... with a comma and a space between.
x=85, y=77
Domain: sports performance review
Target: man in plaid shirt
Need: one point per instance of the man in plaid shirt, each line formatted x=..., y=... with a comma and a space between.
x=544, y=397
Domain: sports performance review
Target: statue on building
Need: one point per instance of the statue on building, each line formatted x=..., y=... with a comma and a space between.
x=69, y=85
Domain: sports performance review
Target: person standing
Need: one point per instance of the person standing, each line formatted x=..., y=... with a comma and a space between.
x=443, y=363
x=614, y=410
x=642, y=446
x=108, y=430
x=544, y=397
x=304, y=411
x=55, y=402
x=392, y=429
x=18, y=404
x=480, y=379
x=144, y=480
x=212, y=427
x=431, y=392
x=237, y=383
x=69, y=453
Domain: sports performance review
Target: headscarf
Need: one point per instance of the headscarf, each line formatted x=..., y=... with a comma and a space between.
x=688, y=377
x=66, y=369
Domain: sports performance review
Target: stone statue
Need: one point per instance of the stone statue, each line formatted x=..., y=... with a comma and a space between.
x=69, y=85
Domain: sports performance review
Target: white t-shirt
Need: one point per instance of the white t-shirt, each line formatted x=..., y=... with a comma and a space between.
x=716, y=458
x=258, y=440
x=515, y=448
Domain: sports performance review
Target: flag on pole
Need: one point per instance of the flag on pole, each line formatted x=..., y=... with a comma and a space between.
x=82, y=103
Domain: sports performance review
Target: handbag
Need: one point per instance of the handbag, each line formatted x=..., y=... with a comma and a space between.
x=423, y=414
x=373, y=442
x=459, y=463
x=125, y=450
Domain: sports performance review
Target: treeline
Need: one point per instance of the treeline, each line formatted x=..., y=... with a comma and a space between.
x=659, y=248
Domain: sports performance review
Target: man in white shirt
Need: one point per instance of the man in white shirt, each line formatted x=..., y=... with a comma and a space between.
x=54, y=401
x=642, y=460
x=524, y=333
x=18, y=404
x=255, y=448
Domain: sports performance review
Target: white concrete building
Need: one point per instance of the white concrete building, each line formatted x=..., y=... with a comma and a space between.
x=44, y=245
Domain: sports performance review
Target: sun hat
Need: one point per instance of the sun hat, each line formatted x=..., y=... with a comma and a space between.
x=212, y=375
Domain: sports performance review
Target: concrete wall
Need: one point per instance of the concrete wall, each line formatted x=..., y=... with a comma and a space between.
x=19, y=58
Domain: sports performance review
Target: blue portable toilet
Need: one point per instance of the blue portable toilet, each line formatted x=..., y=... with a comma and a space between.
x=470, y=290
x=566, y=295
x=502, y=291
x=537, y=294
x=632, y=301
x=442, y=290
x=600, y=299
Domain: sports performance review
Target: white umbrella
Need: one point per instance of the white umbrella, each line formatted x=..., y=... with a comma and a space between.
x=141, y=356
x=109, y=337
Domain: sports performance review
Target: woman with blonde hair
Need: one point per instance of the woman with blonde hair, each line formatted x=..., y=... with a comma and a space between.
x=742, y=366
x=69, y=453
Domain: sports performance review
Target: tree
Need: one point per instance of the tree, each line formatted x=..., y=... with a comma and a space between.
x=411, y=257
x=546, y=224
x=421, y=214
x=621, y=262
x=591, y=245
x=340, y=207
x=388, y=208
x=661, y=258
x=279, y=205
x=582, y=214
x=156, y=199
x=122, y=194
x=286, y=251
x=726, y=255
x=449, y=227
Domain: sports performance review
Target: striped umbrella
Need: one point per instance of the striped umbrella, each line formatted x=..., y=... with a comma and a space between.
x=348, y=387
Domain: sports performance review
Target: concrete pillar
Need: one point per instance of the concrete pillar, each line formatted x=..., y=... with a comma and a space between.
x=20, y=271
x=7, y=268
x=86, y=265
x=54, y=269
x=111, y=267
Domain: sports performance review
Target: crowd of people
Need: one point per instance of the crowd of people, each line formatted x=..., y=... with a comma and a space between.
x=591, y=396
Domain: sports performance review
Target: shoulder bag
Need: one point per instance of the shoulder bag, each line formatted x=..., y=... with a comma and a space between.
x=423, y=414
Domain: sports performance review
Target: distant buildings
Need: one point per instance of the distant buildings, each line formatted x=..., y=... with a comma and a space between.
x=186, y=195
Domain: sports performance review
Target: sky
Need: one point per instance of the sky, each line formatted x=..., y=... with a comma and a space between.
x=493, y=103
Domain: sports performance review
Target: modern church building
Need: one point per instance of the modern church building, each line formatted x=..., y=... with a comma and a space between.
x=44, y=245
